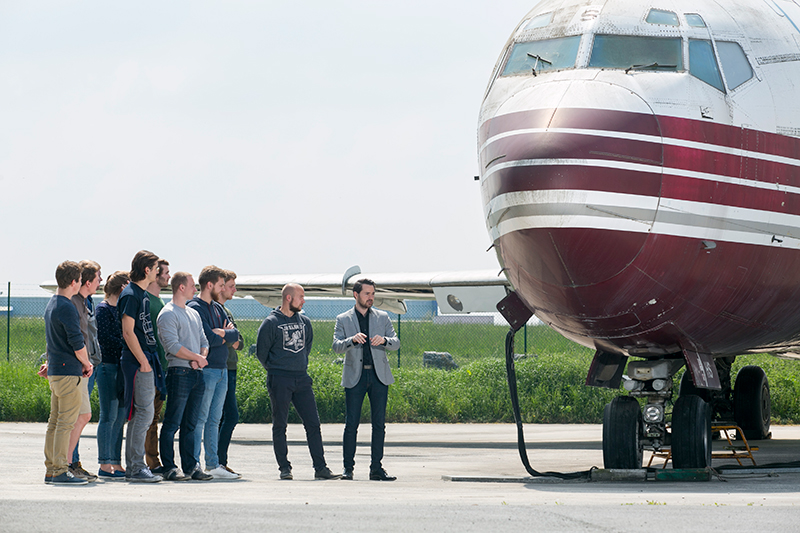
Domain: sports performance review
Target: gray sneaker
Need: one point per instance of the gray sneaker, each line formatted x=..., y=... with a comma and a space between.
x=67, y=479
x=78, y=471
x=144, y=476
x=286, y=472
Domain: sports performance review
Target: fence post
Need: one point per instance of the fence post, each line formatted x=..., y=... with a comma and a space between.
x=525, y=336
x=8, y=324
x=401, y=344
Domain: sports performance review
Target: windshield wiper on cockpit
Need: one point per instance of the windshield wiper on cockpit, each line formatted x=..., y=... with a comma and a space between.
x=538, y=59
x=651, y=66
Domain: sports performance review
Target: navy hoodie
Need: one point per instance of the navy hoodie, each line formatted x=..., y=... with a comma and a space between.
x=284, y=343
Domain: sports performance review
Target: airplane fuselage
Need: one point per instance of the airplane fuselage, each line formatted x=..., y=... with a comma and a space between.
x=640, y=171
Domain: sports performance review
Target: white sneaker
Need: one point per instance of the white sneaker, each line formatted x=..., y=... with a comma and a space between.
x=221, y=473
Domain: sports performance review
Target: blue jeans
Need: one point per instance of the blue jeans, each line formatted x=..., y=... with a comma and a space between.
x=76, y=455
x=230, y=417
x=284, y=391
x=216, y=382
x=112, y=414
x=185, y=390
x=369, y=384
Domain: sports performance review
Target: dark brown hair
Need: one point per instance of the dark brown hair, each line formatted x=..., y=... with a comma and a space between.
x=66, y=273
x=116, y=282
x=141, y=261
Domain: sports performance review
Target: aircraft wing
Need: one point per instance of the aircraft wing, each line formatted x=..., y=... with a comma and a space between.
x=455, y=292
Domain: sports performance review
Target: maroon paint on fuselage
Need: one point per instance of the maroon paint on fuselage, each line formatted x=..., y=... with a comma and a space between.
x=619, y=290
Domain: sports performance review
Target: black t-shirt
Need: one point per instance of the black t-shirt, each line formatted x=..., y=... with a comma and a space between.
x=363, y=324
x=135, y=303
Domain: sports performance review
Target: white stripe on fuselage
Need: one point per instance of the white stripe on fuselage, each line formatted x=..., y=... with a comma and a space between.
x=596, y=211
x=639, y=167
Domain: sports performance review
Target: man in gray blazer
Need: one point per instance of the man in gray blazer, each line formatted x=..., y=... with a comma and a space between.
x=364, y=334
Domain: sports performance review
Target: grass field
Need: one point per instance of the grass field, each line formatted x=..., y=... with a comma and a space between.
x=466, y=342
x=550, y=382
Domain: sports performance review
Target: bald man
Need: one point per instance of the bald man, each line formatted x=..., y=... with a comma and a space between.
x=283, y=344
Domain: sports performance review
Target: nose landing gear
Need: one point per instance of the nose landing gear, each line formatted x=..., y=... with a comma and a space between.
x=628, y=430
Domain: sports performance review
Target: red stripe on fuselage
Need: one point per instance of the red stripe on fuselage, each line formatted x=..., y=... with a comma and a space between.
x=563, y=145
x=702, y=131
x=555, y=177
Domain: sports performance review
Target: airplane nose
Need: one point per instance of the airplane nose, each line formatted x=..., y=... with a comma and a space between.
x=570, y=188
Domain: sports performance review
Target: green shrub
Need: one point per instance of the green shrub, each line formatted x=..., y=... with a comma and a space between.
x=551, y=390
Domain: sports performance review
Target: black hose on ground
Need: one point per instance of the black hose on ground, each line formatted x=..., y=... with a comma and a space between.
x=511, y=374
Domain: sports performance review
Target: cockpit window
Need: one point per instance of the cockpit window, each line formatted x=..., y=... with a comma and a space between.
x=694, y=20
x=636, y=53
x=658, y=16
x=537, y=56
x=539, y=21
x=734, y=63
x=703, y=64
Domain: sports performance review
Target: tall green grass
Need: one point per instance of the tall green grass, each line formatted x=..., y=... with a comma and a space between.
x=551, y=390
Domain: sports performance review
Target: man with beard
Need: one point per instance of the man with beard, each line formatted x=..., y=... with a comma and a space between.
x=220, y=333
x=364, y=334
x=282, y=346
x=156, y=305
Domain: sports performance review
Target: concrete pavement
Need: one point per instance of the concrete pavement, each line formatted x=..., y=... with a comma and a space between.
x=420, y=500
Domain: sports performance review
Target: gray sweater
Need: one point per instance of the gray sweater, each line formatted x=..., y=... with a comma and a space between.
x=177, y=327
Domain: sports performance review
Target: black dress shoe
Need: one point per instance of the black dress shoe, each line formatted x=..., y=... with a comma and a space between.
x=348, y=474
x=380, y=475
x=325, y=473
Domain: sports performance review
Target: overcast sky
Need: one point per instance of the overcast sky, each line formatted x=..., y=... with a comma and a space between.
x=265, y=137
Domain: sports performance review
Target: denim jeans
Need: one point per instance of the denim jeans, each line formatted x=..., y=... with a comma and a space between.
x=230, y=417
x=112, y=415
x=76, y=454
x=282, y=392
x=144, y=390
x=369, y=384
x=185, y=390
x=216, y=383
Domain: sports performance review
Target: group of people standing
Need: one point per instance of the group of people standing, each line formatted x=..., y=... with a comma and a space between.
x=142, y=352
x=138, y=364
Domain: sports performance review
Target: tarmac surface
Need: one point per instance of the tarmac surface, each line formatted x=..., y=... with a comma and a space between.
x=423, y=457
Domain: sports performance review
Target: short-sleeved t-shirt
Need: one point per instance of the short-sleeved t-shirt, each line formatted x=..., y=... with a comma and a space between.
x=135, y=303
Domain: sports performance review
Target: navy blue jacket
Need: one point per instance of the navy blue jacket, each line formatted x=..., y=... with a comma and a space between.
x=213, y=316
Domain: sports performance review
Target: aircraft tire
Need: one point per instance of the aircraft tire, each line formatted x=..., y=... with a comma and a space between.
x=622, y=432
x=691, y=433
x=751, y=403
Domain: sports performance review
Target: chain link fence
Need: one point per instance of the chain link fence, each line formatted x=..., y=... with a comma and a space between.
x=448, y=340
